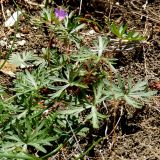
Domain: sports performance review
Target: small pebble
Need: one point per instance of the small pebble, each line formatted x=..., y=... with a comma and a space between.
x=25, y=30
x=3, y=43
x=21, y=43
x=8, y=12
x=18, y=35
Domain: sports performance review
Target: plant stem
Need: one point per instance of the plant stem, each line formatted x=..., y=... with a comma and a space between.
x=80, y=7
x=53, y=152
x=85, y=153
x=46, y=3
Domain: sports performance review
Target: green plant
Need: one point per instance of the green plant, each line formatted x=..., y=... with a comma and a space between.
x=22, y=60
x=134, y=95
x=121, y=33
x=48, y=15
x=27, y=133
x=31, y=83
x=66, y=29
x=61, y=97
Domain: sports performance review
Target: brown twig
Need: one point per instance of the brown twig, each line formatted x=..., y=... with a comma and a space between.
x=34, y=4
x=2, y=8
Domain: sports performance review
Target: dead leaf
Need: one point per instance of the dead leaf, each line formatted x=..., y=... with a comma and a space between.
x=8, y=68
x=155, y=85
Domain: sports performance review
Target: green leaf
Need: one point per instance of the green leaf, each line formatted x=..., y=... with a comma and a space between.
x=38, y=147
x=143, y=94
x=13, y=137
x=114, y=29
x=79, y=85
x=22, y=60
x=95, y=121
x=81, y=26
x=132, y=102
x=58, y=93
x=129, y=84
x=101, y=45
x=31, y=80
x=141, y=85
x=72, y=111
x=118, y=92
x=123, y=29
x=121, y=83
x=83, y=132
x=98, y=90
x=58, y=80
x=136, y=34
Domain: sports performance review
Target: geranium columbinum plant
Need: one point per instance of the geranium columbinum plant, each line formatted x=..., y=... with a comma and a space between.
x=75, y=82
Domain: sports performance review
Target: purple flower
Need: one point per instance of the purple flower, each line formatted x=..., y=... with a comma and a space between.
x=60, y=13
